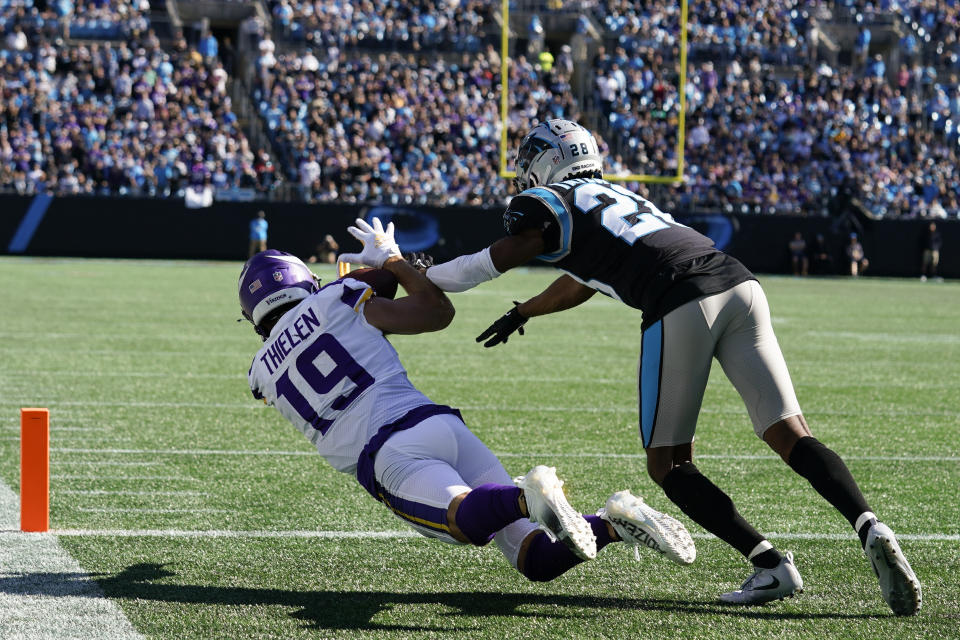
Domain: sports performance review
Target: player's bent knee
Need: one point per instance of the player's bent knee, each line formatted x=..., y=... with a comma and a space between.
x=662, y=460
x=657, y=472
x=782, y=435
x=458, y=535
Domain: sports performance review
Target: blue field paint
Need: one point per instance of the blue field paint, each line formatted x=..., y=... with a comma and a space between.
x=31, y=220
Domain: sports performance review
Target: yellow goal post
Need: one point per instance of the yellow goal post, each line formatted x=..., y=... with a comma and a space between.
x=505, y=102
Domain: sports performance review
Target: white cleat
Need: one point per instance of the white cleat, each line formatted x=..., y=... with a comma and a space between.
x=898, y=583
x=764, y=585
x=548, y=507
x=640, y=525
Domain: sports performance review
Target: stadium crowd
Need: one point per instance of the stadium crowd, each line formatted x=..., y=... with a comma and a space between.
x=775, y=32
x=757, y=142
x=399, y=102
x=387, y=24
x=123, y=118
x=94, y=19
x=384, y=127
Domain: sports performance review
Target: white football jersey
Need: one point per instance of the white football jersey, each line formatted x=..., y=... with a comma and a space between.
x=332, y=374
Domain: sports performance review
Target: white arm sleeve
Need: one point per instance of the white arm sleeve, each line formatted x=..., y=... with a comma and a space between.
x=464, y=272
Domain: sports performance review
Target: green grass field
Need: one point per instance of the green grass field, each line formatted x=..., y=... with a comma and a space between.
x=204, y=515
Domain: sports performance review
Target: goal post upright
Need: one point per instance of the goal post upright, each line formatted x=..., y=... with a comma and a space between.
x=681, y=114
x=505, y=86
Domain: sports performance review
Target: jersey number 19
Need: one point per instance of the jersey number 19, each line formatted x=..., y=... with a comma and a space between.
x=323, y=382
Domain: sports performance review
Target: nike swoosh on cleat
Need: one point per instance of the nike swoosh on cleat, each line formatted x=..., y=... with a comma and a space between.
x=772, y=585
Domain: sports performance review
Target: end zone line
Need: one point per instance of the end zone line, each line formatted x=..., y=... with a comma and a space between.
x=226, y=533
x=499, y=454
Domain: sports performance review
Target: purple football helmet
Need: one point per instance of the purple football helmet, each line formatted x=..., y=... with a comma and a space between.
x=272, y=279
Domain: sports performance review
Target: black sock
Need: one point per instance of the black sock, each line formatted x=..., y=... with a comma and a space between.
x=830, y=477
x=767, y=559
x=713, y=510
x=868, y=521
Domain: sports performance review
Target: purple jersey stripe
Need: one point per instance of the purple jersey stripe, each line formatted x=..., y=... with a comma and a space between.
x=418, y=513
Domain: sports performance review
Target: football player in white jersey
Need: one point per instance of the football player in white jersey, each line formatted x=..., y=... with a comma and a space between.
x=697, y=303
x=327, y=367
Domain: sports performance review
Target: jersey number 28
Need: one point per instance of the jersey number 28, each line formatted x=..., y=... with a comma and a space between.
x=623, y=213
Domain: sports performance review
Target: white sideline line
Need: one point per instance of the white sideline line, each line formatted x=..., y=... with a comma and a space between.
x=221, y=533
x=140, y=405
x=729, y=456
x=98, y=478
x=133, y=510
x=887, y=338
x=46, y=595
x=106, y=463
x=632, y=409
x=207, y=337
x=54, y=428
x=625, y=380
x=122, y=374
x=122, y=492
x=226, y=533
x=181, y=452
x=499, y=454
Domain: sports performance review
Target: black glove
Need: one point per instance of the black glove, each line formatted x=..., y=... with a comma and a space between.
x=419, y=260
x=505, y=325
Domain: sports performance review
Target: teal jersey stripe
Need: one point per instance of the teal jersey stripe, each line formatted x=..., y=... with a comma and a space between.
x=562, y=214
x=650, y=362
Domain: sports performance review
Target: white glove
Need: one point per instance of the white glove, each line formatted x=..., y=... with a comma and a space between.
x=378, y=243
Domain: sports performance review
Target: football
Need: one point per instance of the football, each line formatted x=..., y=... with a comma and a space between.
x=384, y=283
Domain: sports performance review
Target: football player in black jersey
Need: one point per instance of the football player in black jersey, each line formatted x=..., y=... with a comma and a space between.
x=698, y=304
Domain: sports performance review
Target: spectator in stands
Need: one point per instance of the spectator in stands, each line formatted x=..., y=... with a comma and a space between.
x=535, y=36
x=877, y=68
x=258, y=233
x=861, y=48
x=265, y=172
x=309, y=176
x=856, y=259
x=208, y=47
x=930, y=259
x=17, y=39
x=252, y=29
x=798, y=254
x=936, y=210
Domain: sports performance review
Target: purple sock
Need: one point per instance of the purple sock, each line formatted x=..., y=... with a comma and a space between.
x=599, y=526
x=545, y=560
x=487, y=509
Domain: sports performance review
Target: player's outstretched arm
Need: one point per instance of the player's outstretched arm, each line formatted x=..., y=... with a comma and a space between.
x=470, y=270
x=563, y=293
x=424, y=308
x=516, y=250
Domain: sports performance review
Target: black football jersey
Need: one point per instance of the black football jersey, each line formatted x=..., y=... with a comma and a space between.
x=622, y=245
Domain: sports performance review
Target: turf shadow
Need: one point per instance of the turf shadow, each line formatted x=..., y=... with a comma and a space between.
x=346, y=610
